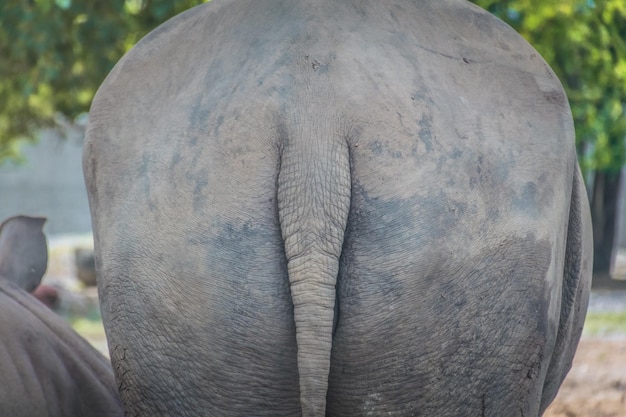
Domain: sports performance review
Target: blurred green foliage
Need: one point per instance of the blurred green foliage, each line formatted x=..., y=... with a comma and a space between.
x=584, y=41
x=55, y=53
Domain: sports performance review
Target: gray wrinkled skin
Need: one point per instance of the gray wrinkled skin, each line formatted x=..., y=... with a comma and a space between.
x=46, y=369
x=340, y=208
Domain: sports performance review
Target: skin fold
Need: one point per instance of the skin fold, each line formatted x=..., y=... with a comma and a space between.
x=337, y=208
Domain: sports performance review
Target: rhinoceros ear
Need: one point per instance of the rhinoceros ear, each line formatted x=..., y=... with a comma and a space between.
x=23, y=251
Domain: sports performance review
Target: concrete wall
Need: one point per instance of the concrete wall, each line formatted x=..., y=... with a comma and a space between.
x=49, y=184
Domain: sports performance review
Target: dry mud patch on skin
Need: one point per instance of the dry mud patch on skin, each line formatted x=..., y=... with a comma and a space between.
x=596, y=384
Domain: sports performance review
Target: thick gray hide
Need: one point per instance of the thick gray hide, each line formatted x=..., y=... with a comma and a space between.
x=339, y=208
x=23, y=251
x=46, y=369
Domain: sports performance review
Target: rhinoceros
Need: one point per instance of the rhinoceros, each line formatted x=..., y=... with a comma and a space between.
x=337, y=208
x=46, y=368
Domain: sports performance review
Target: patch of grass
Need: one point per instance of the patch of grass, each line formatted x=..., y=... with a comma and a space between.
x=605, y=323
x=88, y=328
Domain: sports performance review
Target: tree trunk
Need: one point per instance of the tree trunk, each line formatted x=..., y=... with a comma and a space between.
x=604, y=208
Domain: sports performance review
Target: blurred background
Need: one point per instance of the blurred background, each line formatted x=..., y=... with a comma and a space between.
x=55, y=53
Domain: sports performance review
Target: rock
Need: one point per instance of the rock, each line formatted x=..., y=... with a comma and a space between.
x=85, y=266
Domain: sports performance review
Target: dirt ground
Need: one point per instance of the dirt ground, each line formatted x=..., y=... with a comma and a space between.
x=596, y=385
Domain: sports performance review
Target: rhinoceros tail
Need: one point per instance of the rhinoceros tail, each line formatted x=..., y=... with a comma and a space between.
x=313, y=195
